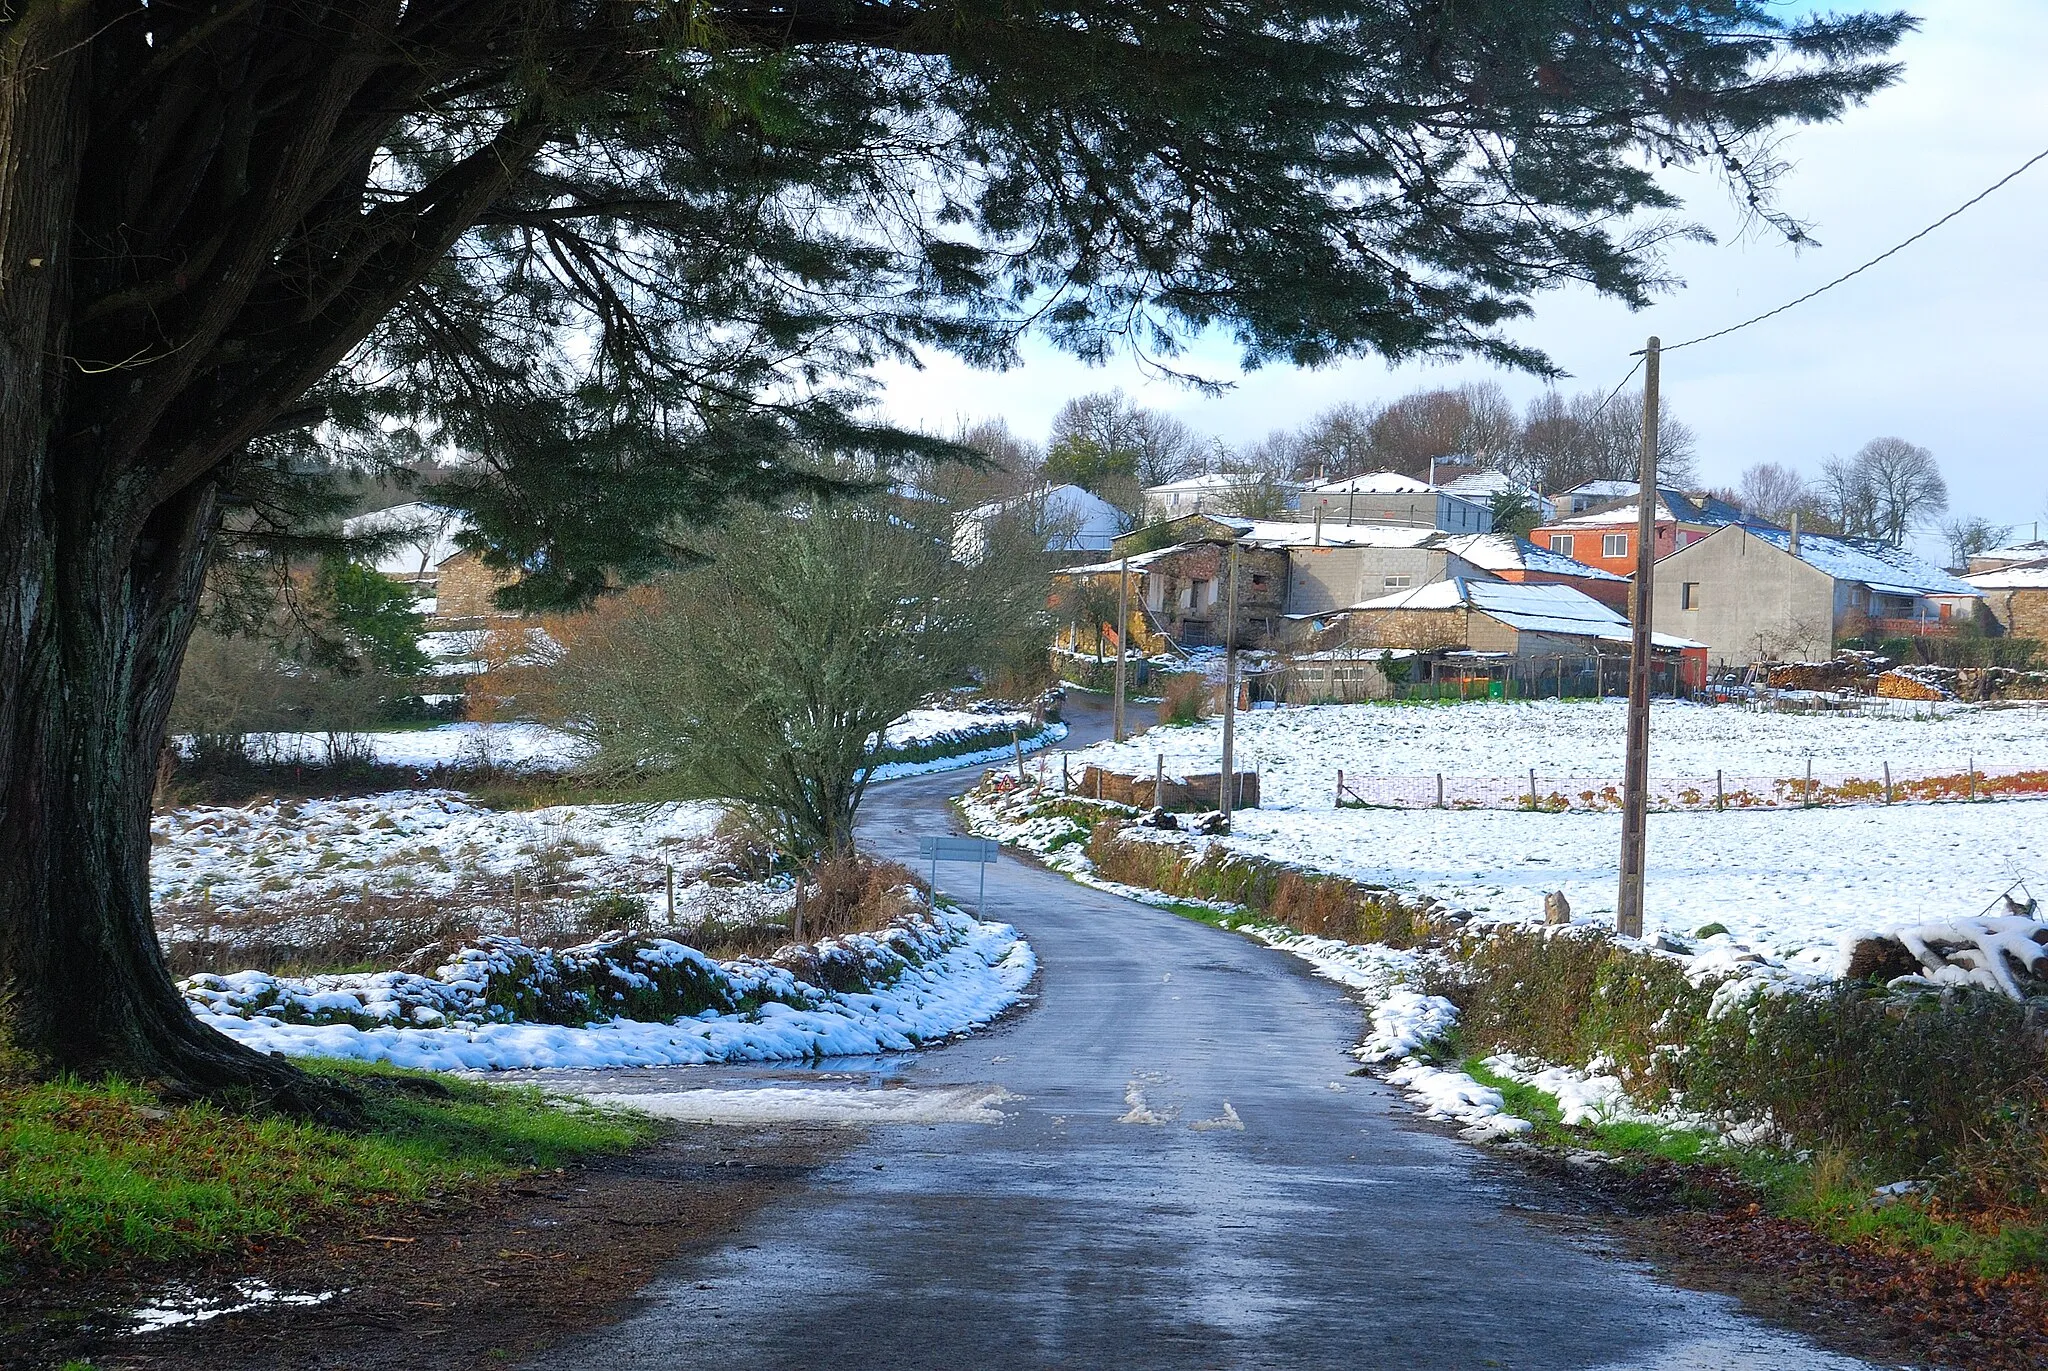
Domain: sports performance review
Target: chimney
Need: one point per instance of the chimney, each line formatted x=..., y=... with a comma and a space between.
x=1793, y=546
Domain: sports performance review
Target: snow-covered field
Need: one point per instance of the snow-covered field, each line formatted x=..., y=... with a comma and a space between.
x=305, y=853
x=1298, y=752
x=536, y=747
x=1791, y=881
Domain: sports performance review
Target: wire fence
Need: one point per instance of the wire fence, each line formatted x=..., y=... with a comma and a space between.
x=1555, y=794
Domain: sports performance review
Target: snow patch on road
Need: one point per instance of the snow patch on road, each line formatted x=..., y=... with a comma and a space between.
x=799, y=1104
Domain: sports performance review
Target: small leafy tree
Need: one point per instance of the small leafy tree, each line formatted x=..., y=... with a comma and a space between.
x=767, y=677
x=1515, y=514
x=374, y=616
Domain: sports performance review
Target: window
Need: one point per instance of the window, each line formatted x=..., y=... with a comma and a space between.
x=1614, y=545
x=1689, y=595
x=1398, y=582
x=1561, y=544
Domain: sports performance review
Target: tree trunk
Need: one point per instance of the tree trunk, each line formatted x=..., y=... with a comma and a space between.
x=101, y=633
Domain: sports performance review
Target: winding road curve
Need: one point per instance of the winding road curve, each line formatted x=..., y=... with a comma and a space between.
x=1186, y=1175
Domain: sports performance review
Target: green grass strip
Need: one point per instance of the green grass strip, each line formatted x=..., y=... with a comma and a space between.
x=94, y=1175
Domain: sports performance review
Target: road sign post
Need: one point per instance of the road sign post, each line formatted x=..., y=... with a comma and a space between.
x=981, y=851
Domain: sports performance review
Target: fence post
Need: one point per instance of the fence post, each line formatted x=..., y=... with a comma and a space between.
x=1809, y=784
x=1439, y=790
x=1159, y=780
x=1066, y=777
x=1017, y=750
x=1973, y=777
x=1532, y=788
x=670, y=868
x=1720, y=793
x=1340, y=789
x=1887, y=781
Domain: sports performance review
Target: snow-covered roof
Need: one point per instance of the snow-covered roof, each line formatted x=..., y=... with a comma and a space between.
x=1879, y=565
x=1674, y=505
x=1486, y=484
x=1214, y=482
x=425, y=536
x=1076, y=520
x=1274, y=533
x=1500, y=552
x=2020, y=576
x=1602, y=490
x=1376, y=483
x=2016, y=552
x=1137, y=562
x=1527, y=608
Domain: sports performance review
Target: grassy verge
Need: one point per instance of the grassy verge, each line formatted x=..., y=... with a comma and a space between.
x=1826, y=1189
x=99, y=1175
x=1862, y=1086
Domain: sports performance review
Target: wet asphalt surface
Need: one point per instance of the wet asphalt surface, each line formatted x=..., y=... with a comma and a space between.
x=1185, y=1175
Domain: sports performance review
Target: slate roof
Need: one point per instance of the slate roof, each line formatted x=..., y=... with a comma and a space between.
x=1552, y=609
x=1499, y=552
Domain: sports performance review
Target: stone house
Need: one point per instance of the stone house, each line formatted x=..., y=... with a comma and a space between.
x=1179, y=595
x=1765, y=594
x=2016, y=596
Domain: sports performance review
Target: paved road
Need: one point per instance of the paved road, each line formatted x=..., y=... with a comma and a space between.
x=1187, y=1176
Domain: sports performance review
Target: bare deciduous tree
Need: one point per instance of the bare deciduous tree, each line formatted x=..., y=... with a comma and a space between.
x=766, y=677
x=1773, y=491
x=1904, y=486
x=1966, y=537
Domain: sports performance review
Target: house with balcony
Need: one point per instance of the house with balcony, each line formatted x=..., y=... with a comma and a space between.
x=1761, y=594
x=1604, y=535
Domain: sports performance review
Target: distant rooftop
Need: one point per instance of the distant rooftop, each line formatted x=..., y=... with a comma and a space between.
x=1528, y=608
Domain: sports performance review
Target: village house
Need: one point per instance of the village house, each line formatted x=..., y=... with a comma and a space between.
x=2015, y=554
x=1586, y=494
x=1216, y=492
x=1604, y=536
x=1485, y=486
x=1179, y=595
x=455, y=587
x=1388, y=497
x=2016, y=596
x=1767, y=594
x=1065, y=519
x=1518, y=560
x=1515, y=620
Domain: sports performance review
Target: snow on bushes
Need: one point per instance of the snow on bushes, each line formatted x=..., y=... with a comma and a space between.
x=638, y=1001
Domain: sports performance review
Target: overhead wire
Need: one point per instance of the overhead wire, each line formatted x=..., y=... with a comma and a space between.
x=1892, y=251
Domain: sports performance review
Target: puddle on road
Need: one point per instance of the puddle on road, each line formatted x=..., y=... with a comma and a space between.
x=179, y=1304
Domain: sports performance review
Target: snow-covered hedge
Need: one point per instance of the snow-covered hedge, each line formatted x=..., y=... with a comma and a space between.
x=631, y=1000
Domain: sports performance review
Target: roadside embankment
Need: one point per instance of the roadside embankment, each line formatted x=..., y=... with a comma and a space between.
x=1904, y=1104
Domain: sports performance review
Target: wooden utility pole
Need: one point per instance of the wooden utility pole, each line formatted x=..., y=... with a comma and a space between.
x=1123, y=629
x=1635, y=785
x=1227, y=788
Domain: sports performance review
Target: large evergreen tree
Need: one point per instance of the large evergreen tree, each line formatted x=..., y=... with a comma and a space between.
x=624, y=253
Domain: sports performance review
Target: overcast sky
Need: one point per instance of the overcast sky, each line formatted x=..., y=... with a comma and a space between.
x=1941, y=345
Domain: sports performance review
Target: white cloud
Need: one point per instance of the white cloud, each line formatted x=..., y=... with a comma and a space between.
x=1939, y=345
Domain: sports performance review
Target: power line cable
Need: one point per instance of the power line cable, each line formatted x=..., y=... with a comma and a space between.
x=1893, y=251
x=1997, y=185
